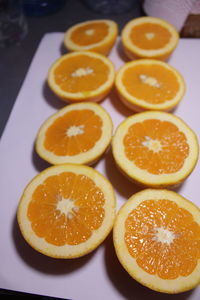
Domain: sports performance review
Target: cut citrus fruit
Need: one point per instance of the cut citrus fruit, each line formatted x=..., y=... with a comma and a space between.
x=66, y=211
x=149, y=37
x=155, y=149
x=94, y=35
x=81, y=76
x=149, y=84
x=78, y=133
x=157, y=240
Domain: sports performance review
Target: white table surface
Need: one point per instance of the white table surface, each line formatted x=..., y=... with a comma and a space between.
x=98, y=275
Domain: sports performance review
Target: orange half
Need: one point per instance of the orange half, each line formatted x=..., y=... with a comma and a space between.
x=149, y=37
x=149, y=84
x=155, y=149
x=78, y=133
x=157, y=240
x=66, y=211
x=94, y=35
x=81, y=76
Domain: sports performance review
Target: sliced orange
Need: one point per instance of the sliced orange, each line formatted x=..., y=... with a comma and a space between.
x=149, y=84
x=81, y=76
x=66, y=211
x=157, y=240
x=155, y=149
x=78, y=133
x=94, y=35
x=149, y=37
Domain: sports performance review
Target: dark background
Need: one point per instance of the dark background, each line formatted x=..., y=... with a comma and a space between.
x=15, y=60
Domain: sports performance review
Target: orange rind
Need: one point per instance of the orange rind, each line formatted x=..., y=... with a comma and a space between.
x=149, y=37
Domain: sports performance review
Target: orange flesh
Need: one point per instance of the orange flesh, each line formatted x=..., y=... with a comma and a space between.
x=58, y=141
x=161, y=36
x=98, y=33
x=167, y=88
x=75, y=226
x=97, y=75
x=173, y=146
x=167, y=260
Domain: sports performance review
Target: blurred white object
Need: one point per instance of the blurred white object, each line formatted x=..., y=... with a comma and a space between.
x=173, y=11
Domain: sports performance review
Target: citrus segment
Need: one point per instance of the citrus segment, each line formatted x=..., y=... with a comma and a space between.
x=78, y=133
x=148, y=84
x=81, y=76
x=94, y=35
x=149, y=37
x=66, y=211
x=155, y=149
x=157, y=240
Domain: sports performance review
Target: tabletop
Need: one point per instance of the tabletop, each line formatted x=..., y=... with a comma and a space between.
x=15, y=61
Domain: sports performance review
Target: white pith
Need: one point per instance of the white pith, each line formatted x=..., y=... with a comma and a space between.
x=82, y=72
x=163, y=235
x=67, y=207
x=150, y=35
x=152, y=144
x=89, y=32
x=152, y=81
x=75, y=130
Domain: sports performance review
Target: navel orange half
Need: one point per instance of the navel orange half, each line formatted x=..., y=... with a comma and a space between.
x=94, y=35
x=78, y=133
x=66, y=211
x=149, y=37
x=155, y=149
x=149, y=84
x=157, y=240
x=81, y=76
